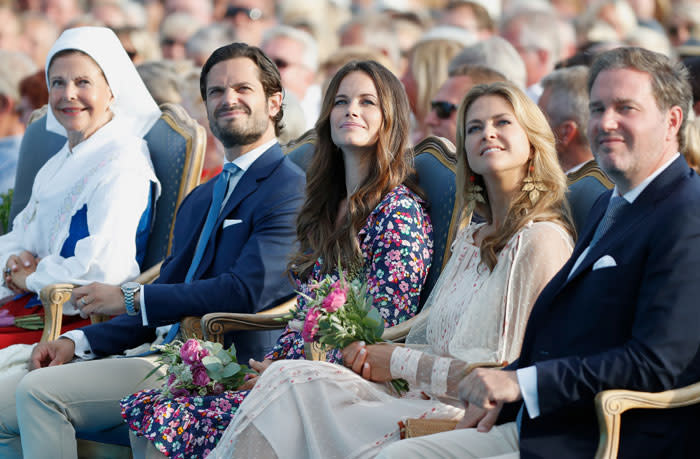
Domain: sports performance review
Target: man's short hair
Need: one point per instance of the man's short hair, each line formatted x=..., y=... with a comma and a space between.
x=495, y=53
x=483, y=19
x=267, y=72
x=568, y=99
x=309, y=56
x=479, y=74
x=670, y=84
x=539, y=30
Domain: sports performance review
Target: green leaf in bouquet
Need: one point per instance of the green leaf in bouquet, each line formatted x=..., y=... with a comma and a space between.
x=214, y=348
x=212, y=364
x=230, y=370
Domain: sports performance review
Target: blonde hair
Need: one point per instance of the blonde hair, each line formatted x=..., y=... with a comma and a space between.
x=545, y=169
x=428, y=64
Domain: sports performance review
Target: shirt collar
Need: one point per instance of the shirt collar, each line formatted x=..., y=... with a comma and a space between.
x=634, y=193
x=244, y=161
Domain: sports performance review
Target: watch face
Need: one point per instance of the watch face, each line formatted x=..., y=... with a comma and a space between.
x=131, y=286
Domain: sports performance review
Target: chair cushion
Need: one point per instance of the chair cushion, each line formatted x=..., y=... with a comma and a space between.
x=437, y=180
x=168, y=150
x=38, y=145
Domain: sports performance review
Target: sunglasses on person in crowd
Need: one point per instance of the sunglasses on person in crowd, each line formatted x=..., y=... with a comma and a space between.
x=443, y=109
x=253, y=13
x=280, y=63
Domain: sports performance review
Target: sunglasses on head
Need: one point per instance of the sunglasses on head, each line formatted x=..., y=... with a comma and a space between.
x=443, y=109
x=280, y=63
x=253, y=13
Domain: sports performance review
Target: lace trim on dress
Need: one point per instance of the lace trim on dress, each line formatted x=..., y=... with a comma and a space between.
x=404, y=363
x=438, y=378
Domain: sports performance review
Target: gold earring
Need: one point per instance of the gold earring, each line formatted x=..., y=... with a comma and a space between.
x=533, y=187
x=474, y=194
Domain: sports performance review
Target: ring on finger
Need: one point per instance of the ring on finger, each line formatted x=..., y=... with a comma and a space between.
x=84, y=301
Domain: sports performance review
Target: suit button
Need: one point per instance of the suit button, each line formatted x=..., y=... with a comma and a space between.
x=544, y=353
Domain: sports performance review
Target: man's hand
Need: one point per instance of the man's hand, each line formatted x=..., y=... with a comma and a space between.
x=99, y=298
x=477, y=417
x=372, y=362
x=487, y=388
x=56, y=352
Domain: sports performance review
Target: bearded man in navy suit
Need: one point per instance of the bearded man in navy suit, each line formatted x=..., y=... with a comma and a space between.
x=232, y=239
x=624, y=312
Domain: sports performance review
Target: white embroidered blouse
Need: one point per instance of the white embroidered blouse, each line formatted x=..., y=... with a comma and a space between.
x=111, y=173
x=477, y=315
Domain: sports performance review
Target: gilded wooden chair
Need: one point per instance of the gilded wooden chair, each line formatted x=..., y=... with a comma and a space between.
x=176, y=143
x=301, y=150
x=610, y=404
x=585, y=185
x=435, y=165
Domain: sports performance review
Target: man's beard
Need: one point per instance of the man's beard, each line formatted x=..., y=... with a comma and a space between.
x=233, y=135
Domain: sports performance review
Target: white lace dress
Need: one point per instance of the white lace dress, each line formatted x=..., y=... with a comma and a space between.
x=320, y=410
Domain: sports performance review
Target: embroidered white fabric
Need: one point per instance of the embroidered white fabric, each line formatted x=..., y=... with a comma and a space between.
x=404, y=363
x=475, y=315
x=110, y=172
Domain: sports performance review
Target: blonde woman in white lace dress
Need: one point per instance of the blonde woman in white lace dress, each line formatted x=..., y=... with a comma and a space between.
x=508, y=173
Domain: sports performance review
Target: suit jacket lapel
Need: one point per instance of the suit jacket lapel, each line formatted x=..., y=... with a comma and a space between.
x=628, y=220
x=248, y=183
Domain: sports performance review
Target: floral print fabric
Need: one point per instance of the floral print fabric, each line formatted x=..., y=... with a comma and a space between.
x=396, y=245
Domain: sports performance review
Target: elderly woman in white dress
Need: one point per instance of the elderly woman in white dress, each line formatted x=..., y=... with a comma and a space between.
x=92, y=203
x=508, y=172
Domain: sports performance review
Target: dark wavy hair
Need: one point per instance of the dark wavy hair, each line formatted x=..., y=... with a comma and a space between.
x=391, y=165
x=267, y=72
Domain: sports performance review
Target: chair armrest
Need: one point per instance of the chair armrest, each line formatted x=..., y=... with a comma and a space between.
x=610, y=404
x=216, y=324
x=398, y=333
x=149, y=275
x=53, y=297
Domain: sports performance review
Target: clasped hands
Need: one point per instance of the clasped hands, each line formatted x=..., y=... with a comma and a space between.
x=16, y=270
x=484, y=391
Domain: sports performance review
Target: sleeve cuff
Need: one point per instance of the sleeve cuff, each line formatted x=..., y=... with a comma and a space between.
x=527, y=379
x=142, y=303
x=83, y=350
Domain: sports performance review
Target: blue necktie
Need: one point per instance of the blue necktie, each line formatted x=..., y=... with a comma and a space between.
x=217, y=199
x=614, y=207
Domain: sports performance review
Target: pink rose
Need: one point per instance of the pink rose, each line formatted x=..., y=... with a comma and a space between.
x=310, y=325
x=200, y=376
x=335, y=300
x=192, y=352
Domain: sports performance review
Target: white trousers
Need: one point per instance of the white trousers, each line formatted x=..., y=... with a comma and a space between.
x=500, y=442
x=41, y=411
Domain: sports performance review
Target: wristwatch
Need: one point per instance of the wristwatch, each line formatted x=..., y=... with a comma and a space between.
x=129, y=289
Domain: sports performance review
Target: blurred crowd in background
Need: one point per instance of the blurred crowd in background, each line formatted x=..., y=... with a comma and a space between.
x=432, y=45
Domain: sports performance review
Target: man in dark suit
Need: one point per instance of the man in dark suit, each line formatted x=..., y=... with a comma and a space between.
x=232, y=239
x=623, y=312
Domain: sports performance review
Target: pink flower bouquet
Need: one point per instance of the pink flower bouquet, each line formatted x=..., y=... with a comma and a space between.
x=338, y=313
x=198, y=367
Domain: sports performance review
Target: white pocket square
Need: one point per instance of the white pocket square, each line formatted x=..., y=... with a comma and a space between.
x=233, y=221
x=604, y=262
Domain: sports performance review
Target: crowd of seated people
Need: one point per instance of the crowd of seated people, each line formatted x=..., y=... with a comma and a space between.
x=574, y=240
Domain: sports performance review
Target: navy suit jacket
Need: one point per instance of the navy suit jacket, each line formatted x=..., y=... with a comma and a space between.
x=632, y=326
x=243, y=268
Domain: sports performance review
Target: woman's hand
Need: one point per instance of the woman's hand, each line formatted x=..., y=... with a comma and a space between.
x=99, y=298
x=17, y=268
x=260, y=367
x=371, y=362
